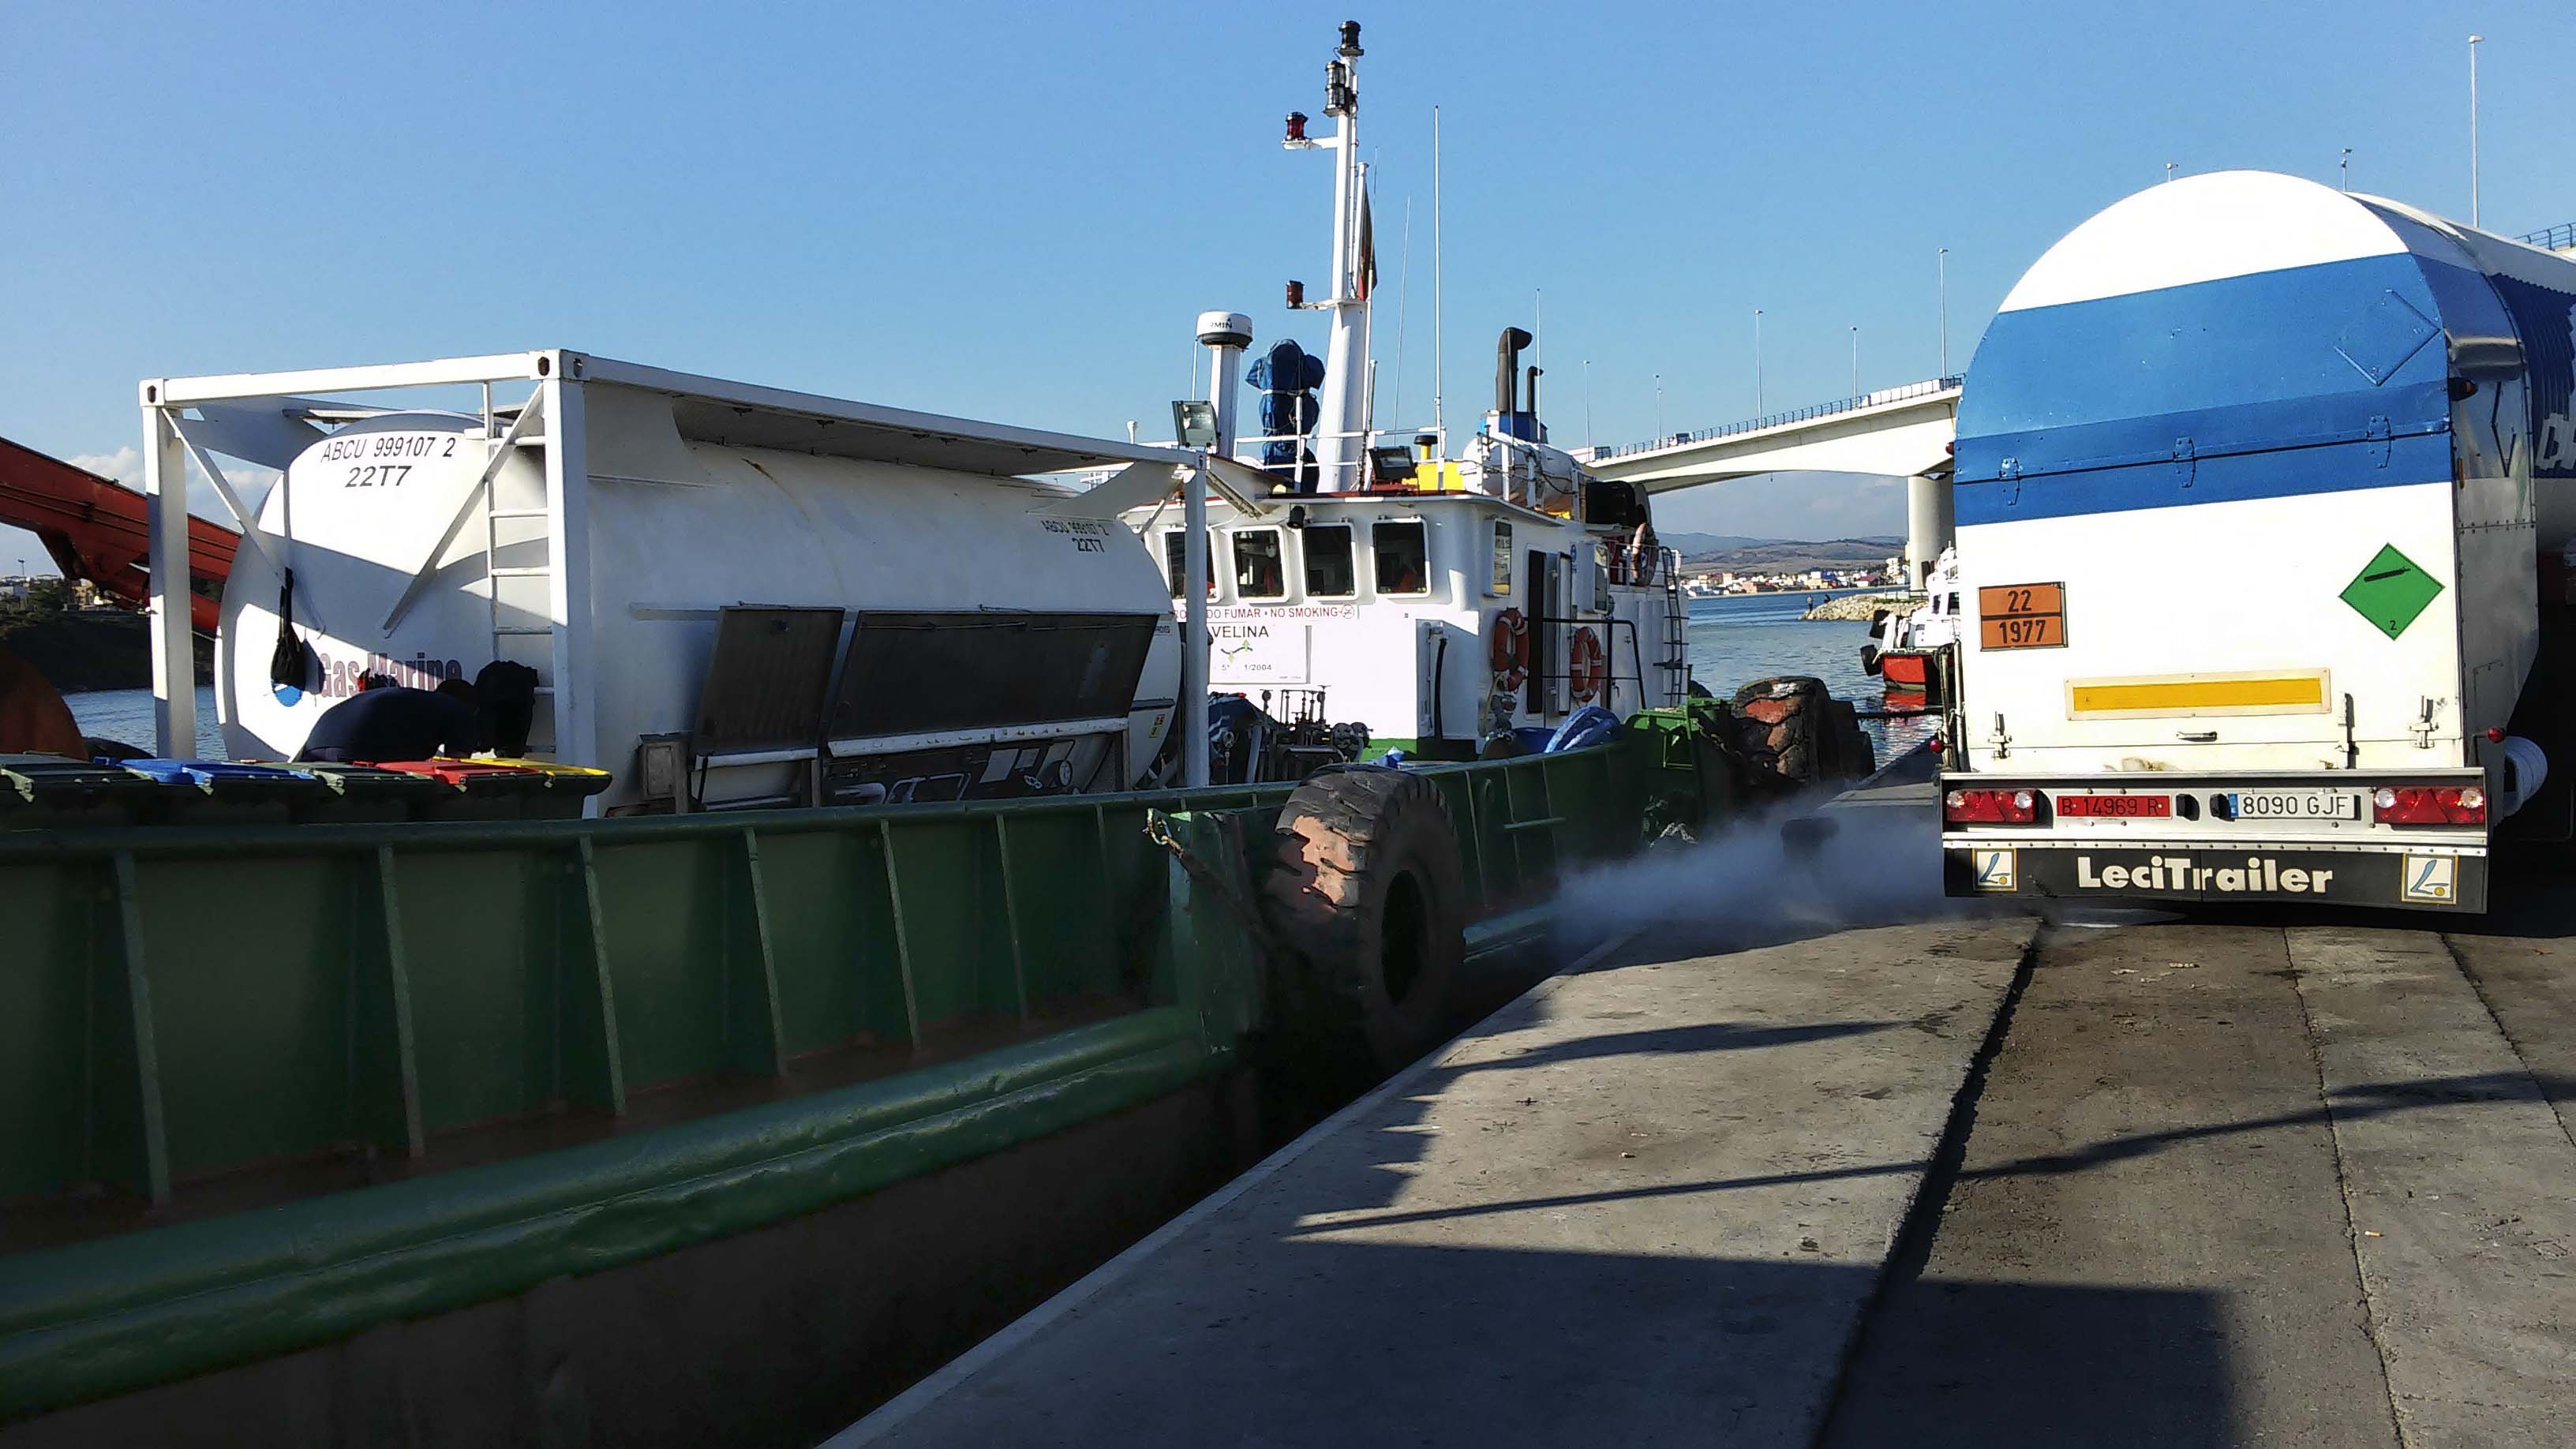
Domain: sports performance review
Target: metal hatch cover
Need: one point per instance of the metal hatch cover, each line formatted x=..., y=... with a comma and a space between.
x=766, y=679
x=911, y=672
x=2384, y=336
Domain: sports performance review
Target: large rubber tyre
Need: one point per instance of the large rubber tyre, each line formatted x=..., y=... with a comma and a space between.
x=1858, y=758
x=1784, y=729
x=1365, y=887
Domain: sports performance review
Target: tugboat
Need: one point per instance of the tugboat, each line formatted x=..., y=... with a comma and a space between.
x=1452, y=608
x=1909, y=650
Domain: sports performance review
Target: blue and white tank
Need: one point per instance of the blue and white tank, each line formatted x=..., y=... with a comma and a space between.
x=2207, y=411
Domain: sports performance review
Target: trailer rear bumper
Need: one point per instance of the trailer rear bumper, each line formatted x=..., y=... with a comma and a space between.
x=2439, y=877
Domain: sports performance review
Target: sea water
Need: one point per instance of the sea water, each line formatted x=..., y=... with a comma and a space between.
x=1732, y=641
x=126, y=715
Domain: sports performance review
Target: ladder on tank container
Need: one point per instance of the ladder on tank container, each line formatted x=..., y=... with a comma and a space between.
x=494, y=571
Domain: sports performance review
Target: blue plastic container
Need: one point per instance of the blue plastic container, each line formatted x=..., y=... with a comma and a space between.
x=212, y=792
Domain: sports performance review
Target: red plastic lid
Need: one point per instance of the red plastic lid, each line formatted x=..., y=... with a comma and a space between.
x=455, y=772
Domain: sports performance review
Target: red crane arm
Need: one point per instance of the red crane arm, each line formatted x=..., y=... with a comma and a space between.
x=100, y=530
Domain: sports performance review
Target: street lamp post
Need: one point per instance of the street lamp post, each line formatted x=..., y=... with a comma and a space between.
x=1941, y=281
x=1757, y=362
x=1659, y=407
x=2343, y=169
x=1855, y=340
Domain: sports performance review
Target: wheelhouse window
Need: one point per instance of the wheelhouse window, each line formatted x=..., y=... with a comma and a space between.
x=1401, y=558
x=1502, y=581
x=1260, y=565
x=1176, y=549
x=1330, y=570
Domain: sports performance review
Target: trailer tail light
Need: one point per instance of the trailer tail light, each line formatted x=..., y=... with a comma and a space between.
x=2429, y=805
x=1990, y=807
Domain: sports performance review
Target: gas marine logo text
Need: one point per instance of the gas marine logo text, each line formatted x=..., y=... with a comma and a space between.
x=2259, y=875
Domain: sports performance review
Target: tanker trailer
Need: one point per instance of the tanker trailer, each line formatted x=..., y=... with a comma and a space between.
x=2263, y=495
x=732, y=597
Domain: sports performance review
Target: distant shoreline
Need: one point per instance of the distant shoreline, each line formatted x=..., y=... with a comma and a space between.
x=1777, y=593
x=88, y=651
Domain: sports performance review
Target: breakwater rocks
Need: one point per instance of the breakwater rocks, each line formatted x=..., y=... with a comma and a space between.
x=1857, y=608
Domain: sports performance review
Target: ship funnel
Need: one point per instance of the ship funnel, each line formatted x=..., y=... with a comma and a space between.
x=1507, y=364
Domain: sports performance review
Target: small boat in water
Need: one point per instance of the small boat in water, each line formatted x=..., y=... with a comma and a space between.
x=1909, y=650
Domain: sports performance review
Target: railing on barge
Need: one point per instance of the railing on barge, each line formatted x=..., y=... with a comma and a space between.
x=195, y=1007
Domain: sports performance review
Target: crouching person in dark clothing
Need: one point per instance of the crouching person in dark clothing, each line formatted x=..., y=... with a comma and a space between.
x=392, y=722
x=507, y=694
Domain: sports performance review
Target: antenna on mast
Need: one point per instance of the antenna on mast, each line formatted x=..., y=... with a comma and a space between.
x=1403, y=297
x=1439, y=407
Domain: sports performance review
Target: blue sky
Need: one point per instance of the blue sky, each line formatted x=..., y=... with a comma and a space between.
x=1016, y=211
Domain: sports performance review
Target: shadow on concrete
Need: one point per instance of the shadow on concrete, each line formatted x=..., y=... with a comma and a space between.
x=1715, y=1036
x=2019, y=1363
x=2527, y=900
x=1358, y=1343
x=2366, y=1100
x=1395, y=1120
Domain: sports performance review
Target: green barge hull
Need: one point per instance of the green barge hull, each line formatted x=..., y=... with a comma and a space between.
x=276, y=1088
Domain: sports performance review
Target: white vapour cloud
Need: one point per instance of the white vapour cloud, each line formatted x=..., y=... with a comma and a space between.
x=125, y=465
x=1743, y=884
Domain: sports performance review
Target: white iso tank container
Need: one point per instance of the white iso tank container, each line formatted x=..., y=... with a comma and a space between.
x=404, y=564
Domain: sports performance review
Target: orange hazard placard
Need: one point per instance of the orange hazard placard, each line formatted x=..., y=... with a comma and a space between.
x=2021, y=616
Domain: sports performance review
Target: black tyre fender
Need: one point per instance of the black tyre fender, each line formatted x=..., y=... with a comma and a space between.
x=1869, y=659
x=1858, y=756
x=1782, y=729
x=1365, y=889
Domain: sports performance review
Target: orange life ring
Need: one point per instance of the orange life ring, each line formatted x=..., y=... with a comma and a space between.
x=1507, y=649
x=1588, y=665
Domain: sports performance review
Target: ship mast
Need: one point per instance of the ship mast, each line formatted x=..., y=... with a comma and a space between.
x=1338, y=440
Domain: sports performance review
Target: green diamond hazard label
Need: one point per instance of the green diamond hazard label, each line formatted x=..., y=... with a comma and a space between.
x=2391, y=591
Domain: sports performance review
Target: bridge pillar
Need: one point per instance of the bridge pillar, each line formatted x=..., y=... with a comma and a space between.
x=1929, y=523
